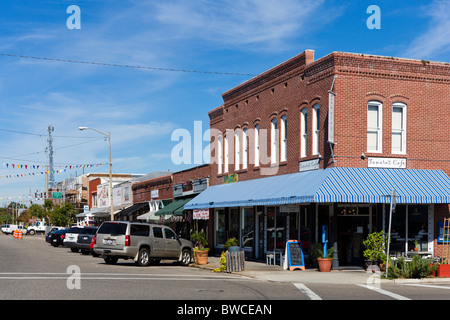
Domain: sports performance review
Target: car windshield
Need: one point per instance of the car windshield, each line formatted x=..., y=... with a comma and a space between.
x=89, y=231
x=113, y=228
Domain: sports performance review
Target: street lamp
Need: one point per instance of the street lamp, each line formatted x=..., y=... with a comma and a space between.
x=110, y=168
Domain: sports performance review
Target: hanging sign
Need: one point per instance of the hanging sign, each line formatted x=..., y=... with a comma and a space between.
x=201, y=214
x=294, y=256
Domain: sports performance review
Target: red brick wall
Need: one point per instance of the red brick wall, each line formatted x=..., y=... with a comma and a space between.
x=203, y=171
x=292, y=86
x=142, y=190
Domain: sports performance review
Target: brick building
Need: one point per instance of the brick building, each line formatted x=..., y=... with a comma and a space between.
x=319, y=143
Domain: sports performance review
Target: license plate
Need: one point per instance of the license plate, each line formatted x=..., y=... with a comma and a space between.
x=54, y=240
x=108, y=241
x=85, y=238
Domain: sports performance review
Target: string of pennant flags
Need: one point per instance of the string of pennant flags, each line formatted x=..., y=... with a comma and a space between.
x=64, y=168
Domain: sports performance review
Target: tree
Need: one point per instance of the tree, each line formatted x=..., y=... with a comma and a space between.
x=63, y=214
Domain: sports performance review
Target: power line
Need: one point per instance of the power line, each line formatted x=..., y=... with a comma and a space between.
x=125, y=65
x=43, y=135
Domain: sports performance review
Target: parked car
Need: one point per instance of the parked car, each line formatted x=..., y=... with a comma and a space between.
x=9, y=228
x=57, y=237
x=145, y=243
x=71, y=238
x=38, y=227
x=85, y=239
x=48, y=236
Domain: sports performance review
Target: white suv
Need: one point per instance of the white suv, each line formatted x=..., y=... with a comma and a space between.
x=145, y=243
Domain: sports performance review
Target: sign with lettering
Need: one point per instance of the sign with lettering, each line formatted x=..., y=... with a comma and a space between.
x=331, y=116
x=308, y=165
x=230, y=178
x=294, y=255
x=387, y=163
x=201, y=214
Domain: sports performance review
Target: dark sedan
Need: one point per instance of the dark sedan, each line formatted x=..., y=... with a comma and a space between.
x=48, y=236
x=85, y=239
x=57, y=237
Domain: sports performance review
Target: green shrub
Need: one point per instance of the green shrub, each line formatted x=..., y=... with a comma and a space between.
x=417, y=268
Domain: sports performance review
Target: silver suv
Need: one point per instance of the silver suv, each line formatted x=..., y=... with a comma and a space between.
x=145, y=243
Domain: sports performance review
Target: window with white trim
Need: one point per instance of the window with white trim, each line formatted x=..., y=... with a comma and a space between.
x=374, y=126
x=257, y=148
x=237, y=149
x=283, y=139
x=273, y=140
x=226, y=153
x=219, y=154
x=316, y=129
x=244, y=148
x=398, y=127
x=303, y=132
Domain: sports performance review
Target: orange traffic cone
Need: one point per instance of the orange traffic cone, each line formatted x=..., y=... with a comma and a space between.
x=20, y=234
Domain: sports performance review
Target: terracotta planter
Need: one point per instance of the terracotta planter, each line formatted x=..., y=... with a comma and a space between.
x=325, y=264
x=201, y=256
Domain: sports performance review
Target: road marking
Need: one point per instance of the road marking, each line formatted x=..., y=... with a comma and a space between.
x=304, y=289
x=427, y=286
x=118, y=276
x=385, y=292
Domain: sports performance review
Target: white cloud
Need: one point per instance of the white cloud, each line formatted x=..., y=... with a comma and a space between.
x=240, y=22
x=435, y=41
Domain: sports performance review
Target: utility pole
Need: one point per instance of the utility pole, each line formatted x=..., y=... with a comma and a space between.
x=49, y=149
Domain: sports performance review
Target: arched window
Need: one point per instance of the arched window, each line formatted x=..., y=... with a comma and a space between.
x=303, y=132
x=283, y=139
x=374, y=126
x=316, y=128
x=273, y=141
x=398, y=127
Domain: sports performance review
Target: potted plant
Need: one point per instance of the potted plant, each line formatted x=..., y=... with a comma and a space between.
x=416, y=245
x=324, y=261
x=200, y=250
x=374, y=252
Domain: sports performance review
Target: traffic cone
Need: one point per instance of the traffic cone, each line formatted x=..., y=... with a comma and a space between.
x=20, y=234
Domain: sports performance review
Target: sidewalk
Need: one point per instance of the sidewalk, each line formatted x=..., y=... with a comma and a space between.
x=345, y=275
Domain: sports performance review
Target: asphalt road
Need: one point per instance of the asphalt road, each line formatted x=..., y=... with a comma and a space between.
x=32, y=269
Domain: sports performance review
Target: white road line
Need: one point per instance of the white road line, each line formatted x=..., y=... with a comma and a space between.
x=387, y=293
x=304, y=289
x=427, y=286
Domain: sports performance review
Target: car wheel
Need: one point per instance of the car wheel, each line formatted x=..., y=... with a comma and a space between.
x=186, y=257
x=74, y=249
x=110, y=260
x=143, y=257
x=31, y=232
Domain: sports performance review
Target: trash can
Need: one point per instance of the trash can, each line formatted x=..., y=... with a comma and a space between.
x=235, y=259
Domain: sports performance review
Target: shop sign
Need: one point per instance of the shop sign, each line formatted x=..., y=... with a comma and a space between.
x=309, y=165
x=230, y=178
x=154, y=193
x=201, y=214
x=386, y=163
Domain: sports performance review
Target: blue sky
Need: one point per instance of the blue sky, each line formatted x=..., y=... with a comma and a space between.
x=142, y=107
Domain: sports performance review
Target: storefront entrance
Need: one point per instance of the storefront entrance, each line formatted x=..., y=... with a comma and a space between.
x=353, y=228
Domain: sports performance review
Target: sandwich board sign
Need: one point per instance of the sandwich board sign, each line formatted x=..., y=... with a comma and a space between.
x=294, y=256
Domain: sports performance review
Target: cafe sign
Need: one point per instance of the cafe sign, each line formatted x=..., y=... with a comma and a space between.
x=230, y=178
x=386, y=163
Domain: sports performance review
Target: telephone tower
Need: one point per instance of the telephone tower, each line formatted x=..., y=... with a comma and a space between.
x=49, y=149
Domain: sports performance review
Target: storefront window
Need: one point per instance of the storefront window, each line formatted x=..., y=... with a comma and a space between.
x=398, y=229
x=248, y=235
x=406, y=229
x=220, y=227
x=417, y=227
x=276, y=229
x=233, y=231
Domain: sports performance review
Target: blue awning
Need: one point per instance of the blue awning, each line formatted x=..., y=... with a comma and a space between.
x=345, y=185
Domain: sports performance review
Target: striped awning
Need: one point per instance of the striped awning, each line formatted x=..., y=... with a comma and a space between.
x=344, y=185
